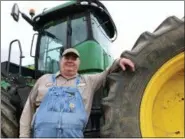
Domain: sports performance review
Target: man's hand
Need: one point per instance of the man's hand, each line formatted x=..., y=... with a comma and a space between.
x=123, y=62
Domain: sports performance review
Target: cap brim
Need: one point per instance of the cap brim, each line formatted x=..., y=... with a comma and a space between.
x=69, y=53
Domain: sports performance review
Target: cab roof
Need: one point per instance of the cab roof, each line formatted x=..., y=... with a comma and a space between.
x=73, y=7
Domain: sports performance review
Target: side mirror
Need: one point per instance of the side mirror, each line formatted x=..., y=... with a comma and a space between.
x=15, y=12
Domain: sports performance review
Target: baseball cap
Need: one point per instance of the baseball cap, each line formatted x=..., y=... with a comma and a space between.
x=70, y=50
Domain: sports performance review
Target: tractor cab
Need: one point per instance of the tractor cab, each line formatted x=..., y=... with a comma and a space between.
x=84, y=25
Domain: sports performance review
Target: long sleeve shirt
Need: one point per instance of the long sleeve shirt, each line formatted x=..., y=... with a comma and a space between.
x=88, y=85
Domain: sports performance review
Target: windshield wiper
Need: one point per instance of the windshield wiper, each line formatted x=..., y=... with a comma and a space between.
x=51, y=35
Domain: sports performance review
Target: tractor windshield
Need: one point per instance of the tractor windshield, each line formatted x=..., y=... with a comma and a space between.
x=51, y=41
x=60, y=34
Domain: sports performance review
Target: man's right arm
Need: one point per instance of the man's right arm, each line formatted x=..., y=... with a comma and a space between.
x=98, y=79
x=27, y=113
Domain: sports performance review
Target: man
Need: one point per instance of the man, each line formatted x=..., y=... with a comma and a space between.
x=59, y=104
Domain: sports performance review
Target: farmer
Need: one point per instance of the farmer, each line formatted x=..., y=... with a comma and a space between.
x=59, y=104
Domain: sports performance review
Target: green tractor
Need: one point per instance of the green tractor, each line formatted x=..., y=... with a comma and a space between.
x=146, y=103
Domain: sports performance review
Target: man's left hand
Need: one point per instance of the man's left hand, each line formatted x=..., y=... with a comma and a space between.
x=123, y=62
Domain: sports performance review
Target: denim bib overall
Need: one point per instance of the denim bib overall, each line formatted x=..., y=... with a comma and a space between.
x=61, y=113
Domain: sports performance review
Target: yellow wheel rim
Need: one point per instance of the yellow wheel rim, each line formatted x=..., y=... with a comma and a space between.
x=162, y=106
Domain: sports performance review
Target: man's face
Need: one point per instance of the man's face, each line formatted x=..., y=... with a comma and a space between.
x=69, y=64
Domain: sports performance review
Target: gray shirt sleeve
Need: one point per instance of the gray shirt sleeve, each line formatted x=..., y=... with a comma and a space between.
x=98, y=79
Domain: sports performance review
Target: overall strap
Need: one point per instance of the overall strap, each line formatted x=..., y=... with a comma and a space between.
x=53, y=79
x=33, y=119
x=77, y=81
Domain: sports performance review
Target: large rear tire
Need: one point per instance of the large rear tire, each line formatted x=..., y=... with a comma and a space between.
x=9, y=125
x=150, y=101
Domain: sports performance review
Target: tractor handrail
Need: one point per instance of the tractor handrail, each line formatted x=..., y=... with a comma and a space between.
x=32, y=44
x=9, y=55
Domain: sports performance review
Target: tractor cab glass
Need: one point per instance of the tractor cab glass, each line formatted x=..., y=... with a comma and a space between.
x=51, y=41
x=99, y=33
x=79, y=30
x=59, y=34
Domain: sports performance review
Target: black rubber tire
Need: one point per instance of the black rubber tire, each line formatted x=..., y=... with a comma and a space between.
x=9, y=125
x=151, y=51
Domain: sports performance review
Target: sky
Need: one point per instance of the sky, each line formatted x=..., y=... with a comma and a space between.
x=132, y=18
